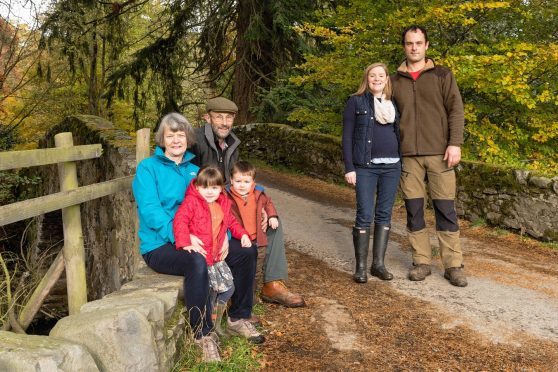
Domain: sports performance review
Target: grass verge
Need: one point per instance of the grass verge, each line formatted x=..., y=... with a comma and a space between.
x=236, y=354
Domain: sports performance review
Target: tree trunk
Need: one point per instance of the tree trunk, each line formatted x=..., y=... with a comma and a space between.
x=243, y=89
x=92, y=88
x=255, y=61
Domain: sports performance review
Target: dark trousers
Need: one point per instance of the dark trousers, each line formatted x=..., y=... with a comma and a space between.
x=242, y=262
x=376, y=186
x=192, y=266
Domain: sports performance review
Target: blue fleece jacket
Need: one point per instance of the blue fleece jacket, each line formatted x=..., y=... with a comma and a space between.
x=159, y=187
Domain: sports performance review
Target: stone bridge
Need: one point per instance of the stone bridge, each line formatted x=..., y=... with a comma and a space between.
x=135, y=319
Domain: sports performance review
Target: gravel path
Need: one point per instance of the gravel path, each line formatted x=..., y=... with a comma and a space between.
x=509, y=294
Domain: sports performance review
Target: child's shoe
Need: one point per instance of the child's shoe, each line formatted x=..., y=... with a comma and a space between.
x=209, y=347
x=243, y=327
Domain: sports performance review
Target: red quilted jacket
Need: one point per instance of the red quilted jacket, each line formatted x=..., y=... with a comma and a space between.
x=193, y=217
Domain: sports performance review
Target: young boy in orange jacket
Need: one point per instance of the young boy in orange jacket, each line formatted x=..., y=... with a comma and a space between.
x=250, y=201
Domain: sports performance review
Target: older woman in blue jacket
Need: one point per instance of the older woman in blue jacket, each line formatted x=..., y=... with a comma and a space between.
x=159, y=187
x=372, y=164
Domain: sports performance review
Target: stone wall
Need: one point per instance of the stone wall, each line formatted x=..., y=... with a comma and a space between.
x=108, y=223
x=513, y=199
x=138, y=328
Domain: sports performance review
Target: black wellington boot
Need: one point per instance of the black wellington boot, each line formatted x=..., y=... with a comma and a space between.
x=361, y=239
x=381, y=237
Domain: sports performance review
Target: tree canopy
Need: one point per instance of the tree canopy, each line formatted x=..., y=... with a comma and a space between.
x=504, y=55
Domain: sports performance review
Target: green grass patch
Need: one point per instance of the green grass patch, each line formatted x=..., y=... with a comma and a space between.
x=497, y=231
x=479, y=222
x=237, y=354
x=258, y=309
x=551, y=245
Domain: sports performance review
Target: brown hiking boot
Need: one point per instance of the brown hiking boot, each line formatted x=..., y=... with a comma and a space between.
x=456, y=276
x=276, y=291
x=419, y=272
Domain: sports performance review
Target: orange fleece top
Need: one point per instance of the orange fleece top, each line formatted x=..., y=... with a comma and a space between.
x=216, y=220
x=248, y=210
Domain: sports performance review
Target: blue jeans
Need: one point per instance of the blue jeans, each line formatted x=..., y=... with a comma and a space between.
x=376, y=186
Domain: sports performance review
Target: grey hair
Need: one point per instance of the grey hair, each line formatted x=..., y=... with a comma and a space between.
x=176, y=123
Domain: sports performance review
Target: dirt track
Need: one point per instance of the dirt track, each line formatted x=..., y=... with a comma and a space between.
x=507, y=318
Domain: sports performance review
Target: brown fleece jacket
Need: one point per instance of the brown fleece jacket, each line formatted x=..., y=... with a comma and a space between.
x=431, y=110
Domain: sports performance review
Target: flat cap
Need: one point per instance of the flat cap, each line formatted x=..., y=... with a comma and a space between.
x=221, y=104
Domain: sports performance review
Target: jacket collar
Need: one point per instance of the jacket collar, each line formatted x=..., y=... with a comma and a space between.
x=208, y=131
x=404, y=70
x=160, y=154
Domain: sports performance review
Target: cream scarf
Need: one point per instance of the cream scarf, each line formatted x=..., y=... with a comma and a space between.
x=384, y=110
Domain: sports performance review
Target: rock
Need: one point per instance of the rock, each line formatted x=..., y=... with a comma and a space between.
x=119, y=339
x=42, y=353
x=541, y=182
x=490, y=191
x=158, y=281
x=168, y=297
x=512, y=223
x=522, y=176
x=151, y=308
x=493, y=217
x=555, y=185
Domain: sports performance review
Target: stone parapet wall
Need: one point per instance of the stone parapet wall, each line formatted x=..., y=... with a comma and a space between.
x=108, y=223
x=513, y=199
x=314, y=154
x=141, y=327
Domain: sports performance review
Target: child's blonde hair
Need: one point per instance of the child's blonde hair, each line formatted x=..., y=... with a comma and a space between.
x=245, y=168
x=209, y=176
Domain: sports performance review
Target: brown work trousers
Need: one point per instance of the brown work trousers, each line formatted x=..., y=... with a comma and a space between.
x=420, y=173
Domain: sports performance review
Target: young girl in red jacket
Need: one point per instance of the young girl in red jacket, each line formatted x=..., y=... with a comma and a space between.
x=201, y=225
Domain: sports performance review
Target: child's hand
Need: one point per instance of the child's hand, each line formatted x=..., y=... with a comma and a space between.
x=273, y=222
x=224, y=249
x=245, y=241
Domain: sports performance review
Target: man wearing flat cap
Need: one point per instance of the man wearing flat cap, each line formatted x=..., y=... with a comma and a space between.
x=216, y=144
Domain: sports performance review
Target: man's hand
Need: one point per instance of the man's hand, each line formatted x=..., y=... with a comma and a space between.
x=264, y=220
x=453, y=155
x=274, y=222
x=245, y=241
x=224, y=249
x=351, y=178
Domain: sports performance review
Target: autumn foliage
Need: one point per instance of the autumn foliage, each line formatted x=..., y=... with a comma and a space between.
x=504, y=55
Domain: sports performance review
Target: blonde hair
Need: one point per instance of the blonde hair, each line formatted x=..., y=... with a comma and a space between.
x=364, y=82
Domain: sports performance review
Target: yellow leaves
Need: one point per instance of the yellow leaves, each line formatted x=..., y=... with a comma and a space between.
x=483, y=5
x=470, y=113
x=463, y=14
x=546, y=130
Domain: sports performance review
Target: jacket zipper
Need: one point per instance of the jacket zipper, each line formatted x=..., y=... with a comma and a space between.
x=416, y=115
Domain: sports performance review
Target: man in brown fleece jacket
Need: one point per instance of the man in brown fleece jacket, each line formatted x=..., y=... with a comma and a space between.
x=431, y=127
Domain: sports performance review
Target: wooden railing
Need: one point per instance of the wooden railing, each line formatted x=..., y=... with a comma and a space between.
x=72, y=256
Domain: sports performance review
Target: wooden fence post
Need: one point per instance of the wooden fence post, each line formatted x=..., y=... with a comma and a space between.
x=143, y=150
x=74, y=251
